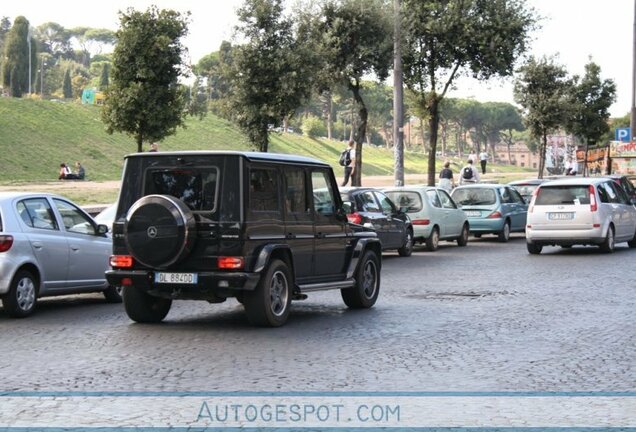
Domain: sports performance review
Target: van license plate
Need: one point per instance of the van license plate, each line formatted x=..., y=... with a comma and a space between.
x=176, y=278
x=561, y=216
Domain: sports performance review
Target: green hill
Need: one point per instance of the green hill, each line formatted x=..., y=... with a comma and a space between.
x=37, y=135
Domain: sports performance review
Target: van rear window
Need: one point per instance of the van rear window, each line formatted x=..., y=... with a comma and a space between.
x=195, y=186
x=563, y=195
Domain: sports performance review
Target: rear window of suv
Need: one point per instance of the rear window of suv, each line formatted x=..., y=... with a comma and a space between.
x=563, y=195
x=195, y=186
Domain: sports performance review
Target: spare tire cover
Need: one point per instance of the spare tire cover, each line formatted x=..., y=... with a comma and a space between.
x=160, y=230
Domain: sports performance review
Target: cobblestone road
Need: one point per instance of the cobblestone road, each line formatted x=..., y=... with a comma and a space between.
x=488, y=317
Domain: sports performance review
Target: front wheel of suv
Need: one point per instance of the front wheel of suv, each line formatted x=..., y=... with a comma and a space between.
x=269, y=304
x=144, y=308
x=365, y=292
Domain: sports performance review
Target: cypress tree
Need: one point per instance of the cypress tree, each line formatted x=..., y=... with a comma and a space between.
x=68, y=88
x=103, y=81
x=16, y=55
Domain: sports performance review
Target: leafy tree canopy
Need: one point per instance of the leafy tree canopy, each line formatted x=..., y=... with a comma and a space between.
x=144, y=99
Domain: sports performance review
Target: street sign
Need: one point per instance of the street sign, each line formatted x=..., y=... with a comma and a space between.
x=622, y=134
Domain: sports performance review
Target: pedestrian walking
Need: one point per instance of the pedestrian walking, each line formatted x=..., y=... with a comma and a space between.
x=348, y=161
x=468, y=174
x=483, y=160
x=446, y=180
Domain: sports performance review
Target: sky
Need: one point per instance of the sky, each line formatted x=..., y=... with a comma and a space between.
x=571, y=30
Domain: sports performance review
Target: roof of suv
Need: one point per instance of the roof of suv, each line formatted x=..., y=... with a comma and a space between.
x=254, y=156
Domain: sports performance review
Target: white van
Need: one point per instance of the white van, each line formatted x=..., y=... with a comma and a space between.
x=583, y=211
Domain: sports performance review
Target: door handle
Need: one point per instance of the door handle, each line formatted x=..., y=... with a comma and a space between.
x=74, y=248
x=291, y=236
x=321, y=235
x=37, y=245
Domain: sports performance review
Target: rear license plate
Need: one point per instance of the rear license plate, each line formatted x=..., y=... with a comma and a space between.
x=176, y=278
x=473, y=213
x=561, y=216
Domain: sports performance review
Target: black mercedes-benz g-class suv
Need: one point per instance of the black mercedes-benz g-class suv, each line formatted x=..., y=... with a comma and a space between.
x=264, y=228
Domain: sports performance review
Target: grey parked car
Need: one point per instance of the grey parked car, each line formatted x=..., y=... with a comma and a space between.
x=49, y=246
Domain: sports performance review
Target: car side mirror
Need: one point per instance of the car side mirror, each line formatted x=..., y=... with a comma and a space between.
x=102, y=229
x=403, y=210
x=341, y=215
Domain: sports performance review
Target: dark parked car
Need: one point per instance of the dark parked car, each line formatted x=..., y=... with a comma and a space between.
x=261, y=227
x=626, y=182
x=373, y=209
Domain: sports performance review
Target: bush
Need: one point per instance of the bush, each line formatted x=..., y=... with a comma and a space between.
x=313, y=127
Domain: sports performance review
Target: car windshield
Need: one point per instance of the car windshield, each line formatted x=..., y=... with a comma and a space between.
x=567, y=195
x=411, y=200
x=474, y=196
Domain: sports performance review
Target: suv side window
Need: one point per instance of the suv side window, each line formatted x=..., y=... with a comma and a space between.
x=296, y=193
x=515, y=196
x=324, y=201
x=37, y=213
x=264, y=196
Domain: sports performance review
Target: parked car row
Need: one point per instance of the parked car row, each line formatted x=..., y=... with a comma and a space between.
x=268, y=229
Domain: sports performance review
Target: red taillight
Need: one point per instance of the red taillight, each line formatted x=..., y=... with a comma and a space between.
x=354, y=218
x=421, y=222
x=494, y=215
x=230, y=263
x=6, y=241
x=593, y=206
x=121, y=261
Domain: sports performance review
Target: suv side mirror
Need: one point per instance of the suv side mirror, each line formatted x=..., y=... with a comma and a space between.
x=341, y=215
x=102, y=229
x=403, y=209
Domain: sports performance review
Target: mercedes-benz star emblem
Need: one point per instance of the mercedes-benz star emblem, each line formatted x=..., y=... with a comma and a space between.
x=152, y=232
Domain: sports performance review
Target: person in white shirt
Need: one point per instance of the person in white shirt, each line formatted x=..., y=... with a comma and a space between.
x=468, y=174
x=483, y=160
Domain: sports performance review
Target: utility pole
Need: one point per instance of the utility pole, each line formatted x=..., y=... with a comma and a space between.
x=398, y=99
x=632, y=120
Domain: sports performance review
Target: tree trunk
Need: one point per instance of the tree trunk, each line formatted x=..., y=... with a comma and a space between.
x=433, y=123
x=329, y=114
x=542, y=149
x=140, y=142
x=263, y=139
x=360, y=134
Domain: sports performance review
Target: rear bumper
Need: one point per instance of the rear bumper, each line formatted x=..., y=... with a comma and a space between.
x=565, y=237
x=483, y=226
x=208, y=286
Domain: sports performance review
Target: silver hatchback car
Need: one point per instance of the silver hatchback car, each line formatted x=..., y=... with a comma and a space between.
x=49, y=246
x=589, y=210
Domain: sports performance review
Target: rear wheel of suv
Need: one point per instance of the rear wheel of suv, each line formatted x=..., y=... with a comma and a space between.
x=432, y=242
x=407, y=249
x=160, y=230
x=269, y=304
x=365, y=292
x=144, y=308
x=534, y=249
x=504, y=234
x=20, y=301
x=608, y=244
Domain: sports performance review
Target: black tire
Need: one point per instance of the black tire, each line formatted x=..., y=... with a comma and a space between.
x=432, y=242
x=144, y=308
x=269, y=304
x=407, y=248
x=367, y=288
x=113, y=294
x=160, y=230
x=534, y=249
x=609, y=243
x=22, y=297
x=504, y=235
x=462, y=240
